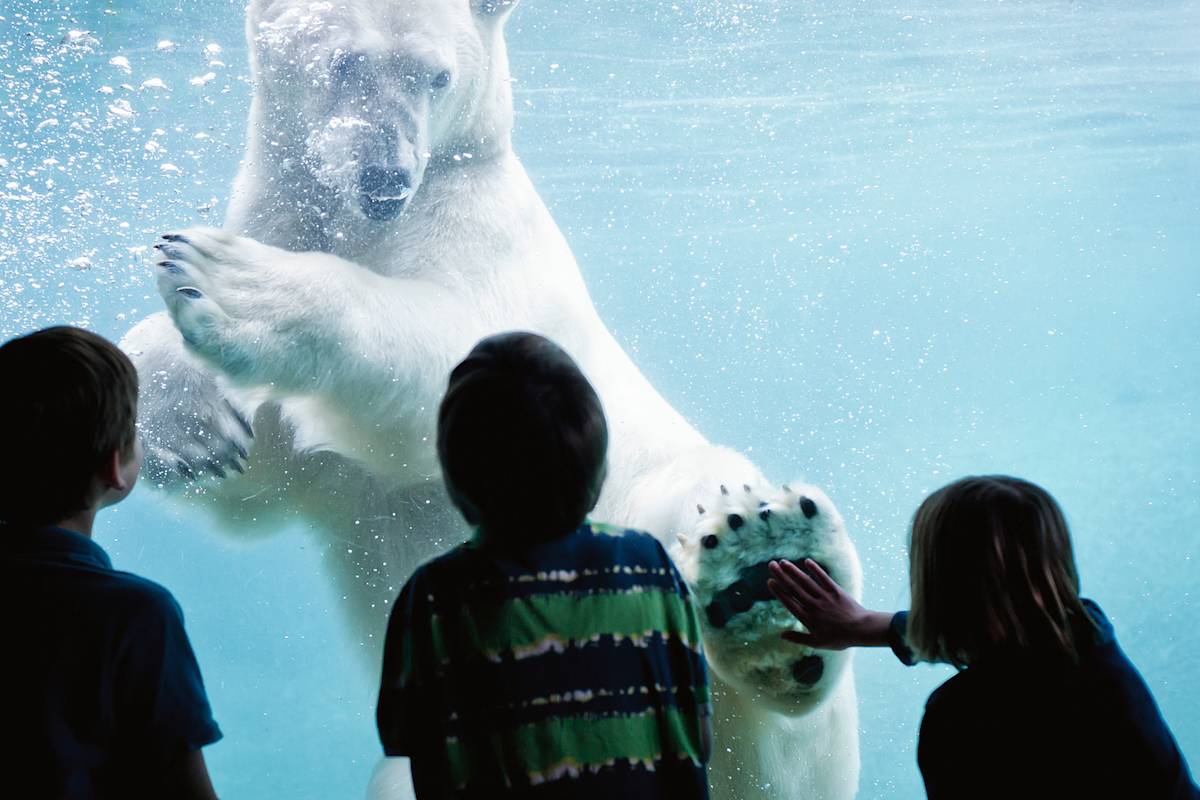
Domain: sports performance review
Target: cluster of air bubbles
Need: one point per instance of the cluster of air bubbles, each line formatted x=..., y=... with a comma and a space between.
x=107, y=138
x=739, y=16
x=331, y=152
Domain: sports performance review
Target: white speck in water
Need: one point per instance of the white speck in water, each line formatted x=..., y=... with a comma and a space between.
x=121, y=109
x=201, y=80
x=80, y=39
x=165, y=46
x=121, y=63
x=82, y=262
x=155, y=83
x=170, y=169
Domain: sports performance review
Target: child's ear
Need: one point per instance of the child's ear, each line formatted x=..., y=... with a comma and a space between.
x=114, y=473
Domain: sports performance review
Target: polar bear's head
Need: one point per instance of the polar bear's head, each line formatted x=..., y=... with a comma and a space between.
x=366, y=95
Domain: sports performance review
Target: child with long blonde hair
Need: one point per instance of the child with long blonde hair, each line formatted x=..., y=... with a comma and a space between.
x=1045, y=703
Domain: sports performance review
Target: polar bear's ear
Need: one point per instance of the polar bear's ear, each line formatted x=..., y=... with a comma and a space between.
x=493, y=8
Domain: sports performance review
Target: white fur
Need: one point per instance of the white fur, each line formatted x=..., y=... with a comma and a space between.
x=334, y=332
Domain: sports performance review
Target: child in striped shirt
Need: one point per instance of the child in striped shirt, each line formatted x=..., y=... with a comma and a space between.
x=549, y=656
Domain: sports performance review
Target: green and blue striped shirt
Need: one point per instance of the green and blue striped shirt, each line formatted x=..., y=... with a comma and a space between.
x=572, y=669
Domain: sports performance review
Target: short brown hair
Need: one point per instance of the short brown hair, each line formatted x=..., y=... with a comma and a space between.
x=69, y=402
x=522, y=439
x=991, y=568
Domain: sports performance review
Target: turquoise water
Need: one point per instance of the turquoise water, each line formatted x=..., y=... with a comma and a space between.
x=878, y=247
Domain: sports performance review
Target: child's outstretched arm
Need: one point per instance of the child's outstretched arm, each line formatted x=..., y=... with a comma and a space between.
x=834, y=620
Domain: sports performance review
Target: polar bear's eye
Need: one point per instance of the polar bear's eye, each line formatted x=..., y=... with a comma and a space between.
x=440, y=80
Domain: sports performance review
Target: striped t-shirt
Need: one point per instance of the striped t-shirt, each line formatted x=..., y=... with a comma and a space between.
x=573, y=669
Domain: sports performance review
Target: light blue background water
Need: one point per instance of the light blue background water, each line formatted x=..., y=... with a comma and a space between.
x=876, y=245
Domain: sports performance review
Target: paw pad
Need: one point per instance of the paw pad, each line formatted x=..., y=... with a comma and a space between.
x=808, y=507
x=808, y=670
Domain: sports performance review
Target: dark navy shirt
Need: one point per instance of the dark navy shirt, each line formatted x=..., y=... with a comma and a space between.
x=99, y=680
x=1021, y=725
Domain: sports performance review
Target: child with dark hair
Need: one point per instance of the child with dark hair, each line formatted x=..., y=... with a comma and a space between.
x=1045, y=704
x=103, y=695
x=549, y=656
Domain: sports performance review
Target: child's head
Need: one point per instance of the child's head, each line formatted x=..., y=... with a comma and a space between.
x=522, y=440
x=67, y=418
x=991, y=568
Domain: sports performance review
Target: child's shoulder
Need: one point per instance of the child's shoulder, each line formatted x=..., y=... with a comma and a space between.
x=624, y=544
x=133, y=597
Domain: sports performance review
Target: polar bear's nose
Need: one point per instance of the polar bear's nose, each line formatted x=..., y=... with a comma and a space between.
x=384, y=191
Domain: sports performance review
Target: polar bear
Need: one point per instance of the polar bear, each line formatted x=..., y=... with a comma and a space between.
x=380, y=225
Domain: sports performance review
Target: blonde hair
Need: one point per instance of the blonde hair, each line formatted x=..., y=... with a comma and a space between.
x=991, y=568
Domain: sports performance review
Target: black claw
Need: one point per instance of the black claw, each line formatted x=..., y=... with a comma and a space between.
x=215, y=468
x=735, y=521
x=241, y=451
x=710, y=541
x=700, y=509
x=190, y=292
x=245, y=423
x=808, y=507
x=723, y=489
x=746, y=487
x=175, y=237
x=185, y=470
x=236, y=467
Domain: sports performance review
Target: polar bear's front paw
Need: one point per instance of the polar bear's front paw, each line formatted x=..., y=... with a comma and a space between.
x=725, y=559
x=220, y=290
x=208, y=440
x=189, y=426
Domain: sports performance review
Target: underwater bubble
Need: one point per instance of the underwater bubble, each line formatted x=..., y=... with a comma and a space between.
x=121, y=109
x=121, y=63
x=83, y=40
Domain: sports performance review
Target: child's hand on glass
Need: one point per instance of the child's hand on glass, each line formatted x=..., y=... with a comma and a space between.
x=834, y=620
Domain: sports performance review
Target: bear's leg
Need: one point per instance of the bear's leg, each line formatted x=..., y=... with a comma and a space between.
x=764, y=755
x=372, y=351
x=785, y=718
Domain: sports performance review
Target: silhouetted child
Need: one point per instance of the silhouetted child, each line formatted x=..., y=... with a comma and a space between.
x=549, y=656
x=102, y=694
x=1045, y=704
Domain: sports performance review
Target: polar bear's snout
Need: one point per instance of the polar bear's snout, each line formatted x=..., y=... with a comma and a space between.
x=383, y=192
